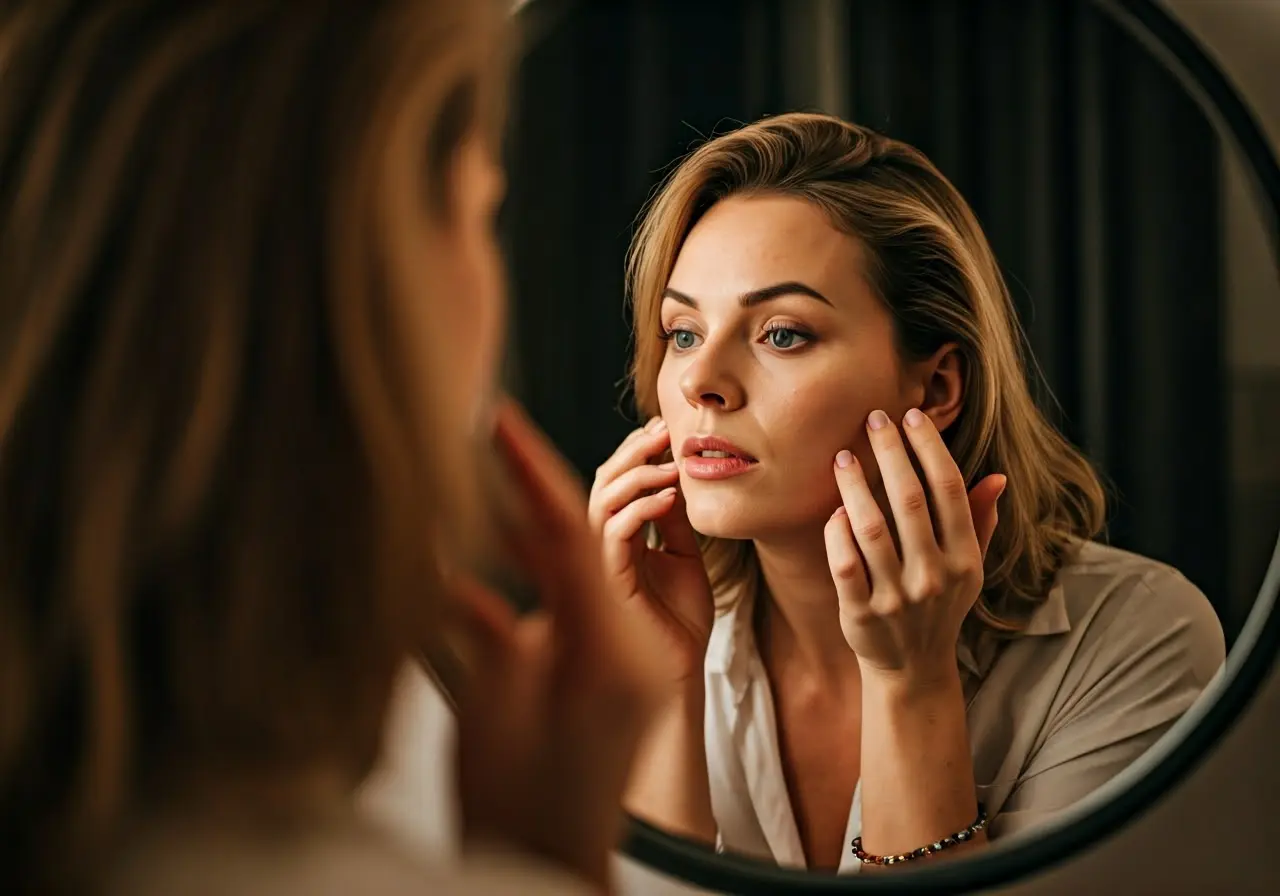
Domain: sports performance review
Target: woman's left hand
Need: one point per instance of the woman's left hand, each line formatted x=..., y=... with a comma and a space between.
x=901, y=608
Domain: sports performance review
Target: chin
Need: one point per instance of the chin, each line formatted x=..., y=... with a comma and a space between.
x=756, y=513
x=723, y=516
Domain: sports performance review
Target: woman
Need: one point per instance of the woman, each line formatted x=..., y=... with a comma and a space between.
x=839, y=414
x=250, y=302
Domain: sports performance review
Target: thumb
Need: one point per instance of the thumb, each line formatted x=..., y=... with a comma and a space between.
x=677, y=533
x=983, y=498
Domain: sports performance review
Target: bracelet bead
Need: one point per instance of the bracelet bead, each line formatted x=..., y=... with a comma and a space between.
x=929, y=849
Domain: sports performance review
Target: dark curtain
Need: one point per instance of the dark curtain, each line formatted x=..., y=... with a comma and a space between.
x=1095, y=177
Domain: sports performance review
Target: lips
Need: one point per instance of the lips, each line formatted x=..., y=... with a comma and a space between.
x=713, y=447
x=712, y=458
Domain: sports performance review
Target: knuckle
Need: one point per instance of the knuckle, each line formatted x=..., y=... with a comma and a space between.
x=871, y=531
x=953, y=488
x=845, y=568
x=969, y=571
x=924, y=586
x=914, y=501
x=859, y=616
x=889, y=605
x=609, y=531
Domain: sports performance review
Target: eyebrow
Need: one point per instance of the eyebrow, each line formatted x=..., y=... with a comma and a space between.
x=756, y=296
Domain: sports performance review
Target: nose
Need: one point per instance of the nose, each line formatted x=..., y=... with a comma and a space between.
x=708, y=382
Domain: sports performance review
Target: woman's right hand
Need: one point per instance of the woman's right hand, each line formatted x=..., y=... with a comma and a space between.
x=666, y=589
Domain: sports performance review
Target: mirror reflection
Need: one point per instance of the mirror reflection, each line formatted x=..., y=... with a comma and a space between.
x=924, y=472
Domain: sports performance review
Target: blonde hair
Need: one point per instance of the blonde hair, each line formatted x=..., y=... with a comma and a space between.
x=217, y=501
x=931, y=265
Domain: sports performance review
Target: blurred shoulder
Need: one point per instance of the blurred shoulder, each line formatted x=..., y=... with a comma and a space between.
x=330, y=860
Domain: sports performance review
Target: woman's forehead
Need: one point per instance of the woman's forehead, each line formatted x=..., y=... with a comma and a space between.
x=747, y=243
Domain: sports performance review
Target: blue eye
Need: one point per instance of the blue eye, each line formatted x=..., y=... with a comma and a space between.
x=683, y=340
x=786, y=338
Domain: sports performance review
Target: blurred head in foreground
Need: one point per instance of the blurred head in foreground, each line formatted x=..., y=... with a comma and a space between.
x=249, y=318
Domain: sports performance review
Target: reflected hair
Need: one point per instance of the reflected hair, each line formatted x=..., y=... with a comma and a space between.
x=930, y=264
x=216, y=500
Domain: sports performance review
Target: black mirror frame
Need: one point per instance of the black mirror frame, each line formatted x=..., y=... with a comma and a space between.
x=1247, y=668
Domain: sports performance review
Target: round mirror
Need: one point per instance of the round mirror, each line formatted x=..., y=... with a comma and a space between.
x=1130, y=202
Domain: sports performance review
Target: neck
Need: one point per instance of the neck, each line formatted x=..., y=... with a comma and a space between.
x=800, y=622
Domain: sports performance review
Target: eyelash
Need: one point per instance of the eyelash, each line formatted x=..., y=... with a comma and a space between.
x=668, y=335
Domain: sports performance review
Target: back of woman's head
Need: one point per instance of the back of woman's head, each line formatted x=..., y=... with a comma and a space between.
x=930, y=264
x=215, y=502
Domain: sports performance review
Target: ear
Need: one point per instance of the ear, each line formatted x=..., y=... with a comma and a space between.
x=941, y=385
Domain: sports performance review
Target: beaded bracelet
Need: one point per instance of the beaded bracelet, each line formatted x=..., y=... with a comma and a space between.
x=937, y=846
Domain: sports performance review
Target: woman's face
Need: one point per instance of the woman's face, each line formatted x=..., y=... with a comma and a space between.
x=470, y=335
x=454, y=322
x=777, y=345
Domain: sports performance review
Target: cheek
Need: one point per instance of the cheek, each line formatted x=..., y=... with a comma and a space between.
x=487, y=297
x=668, y=390
x=818, y=419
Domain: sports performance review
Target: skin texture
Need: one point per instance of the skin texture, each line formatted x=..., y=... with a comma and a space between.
x=843, y=524
x=792, y=408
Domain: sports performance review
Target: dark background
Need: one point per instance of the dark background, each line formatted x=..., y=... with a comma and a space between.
x=1095, y=177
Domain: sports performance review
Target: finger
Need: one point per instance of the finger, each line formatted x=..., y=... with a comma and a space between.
x=847, y=569
x=946, y=483
x=634, y=434
x=556, y=497
x=648, y=443
x=906, y=494
x=609, y=499
x=870, y=529
x=557, y=548
x=626, y=524
x=983, y=500
x=678, y=536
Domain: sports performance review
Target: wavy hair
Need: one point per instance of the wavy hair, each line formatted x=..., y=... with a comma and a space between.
x=932, y=267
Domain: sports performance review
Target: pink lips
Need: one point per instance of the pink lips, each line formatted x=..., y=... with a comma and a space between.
x=727, y=460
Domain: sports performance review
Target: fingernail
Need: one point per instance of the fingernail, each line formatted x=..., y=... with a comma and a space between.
x=668, y=466
x=1004, y=482
x=913, y=417
x=841, y=511
x=844, y=458
x=878, y=419
x=656, y=425
x=667, y=492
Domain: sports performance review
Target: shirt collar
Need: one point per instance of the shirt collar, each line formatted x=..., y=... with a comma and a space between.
x=732, y=647
x=1049, y=618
